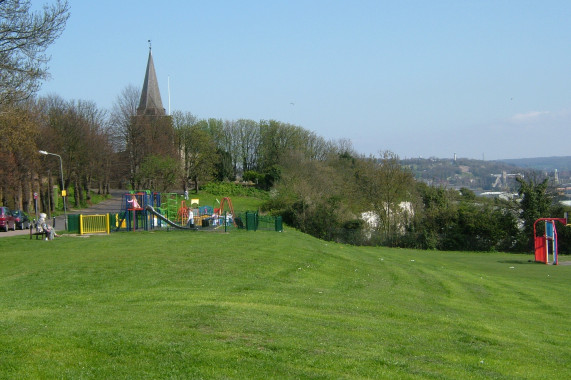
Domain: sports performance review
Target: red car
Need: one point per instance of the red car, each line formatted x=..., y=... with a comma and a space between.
x=6, y=219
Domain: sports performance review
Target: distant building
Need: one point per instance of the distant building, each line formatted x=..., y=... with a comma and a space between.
x=498, y=194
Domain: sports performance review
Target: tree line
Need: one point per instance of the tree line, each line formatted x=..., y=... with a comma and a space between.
x=375, y=200
x=101, y=149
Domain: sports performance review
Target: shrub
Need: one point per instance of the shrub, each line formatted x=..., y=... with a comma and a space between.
x=227, y=189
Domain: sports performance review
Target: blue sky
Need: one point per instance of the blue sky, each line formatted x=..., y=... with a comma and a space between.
x=482, y=79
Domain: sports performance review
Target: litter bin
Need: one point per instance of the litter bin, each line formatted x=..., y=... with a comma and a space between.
x=279, y=224
x=73, y=223
x=251, y=221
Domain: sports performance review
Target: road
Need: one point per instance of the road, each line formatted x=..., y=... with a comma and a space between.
x=111, y=205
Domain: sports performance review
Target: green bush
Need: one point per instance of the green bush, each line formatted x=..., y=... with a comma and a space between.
x=228, y=189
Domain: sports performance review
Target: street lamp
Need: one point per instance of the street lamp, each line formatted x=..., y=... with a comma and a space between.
x=63, y=192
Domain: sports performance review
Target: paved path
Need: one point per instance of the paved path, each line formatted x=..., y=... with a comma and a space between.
x=111, y=205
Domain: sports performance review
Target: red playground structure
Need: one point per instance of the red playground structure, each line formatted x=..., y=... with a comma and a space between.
x=547, y=243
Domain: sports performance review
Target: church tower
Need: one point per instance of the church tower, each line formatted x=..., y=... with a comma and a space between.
x=150, y=103
x=151, y=132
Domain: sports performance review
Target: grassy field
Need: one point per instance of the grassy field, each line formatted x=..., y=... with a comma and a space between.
x=262, y=305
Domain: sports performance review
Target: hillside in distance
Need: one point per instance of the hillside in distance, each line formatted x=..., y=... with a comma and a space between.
x=480, y=175
x=549, y=164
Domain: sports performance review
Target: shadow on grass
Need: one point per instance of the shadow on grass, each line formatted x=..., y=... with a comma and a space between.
x=519, y=262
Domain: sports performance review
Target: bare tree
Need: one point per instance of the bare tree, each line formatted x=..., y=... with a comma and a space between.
x=124, y=108
x=24, y=38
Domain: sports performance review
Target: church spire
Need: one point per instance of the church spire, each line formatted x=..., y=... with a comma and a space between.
x=150, y=103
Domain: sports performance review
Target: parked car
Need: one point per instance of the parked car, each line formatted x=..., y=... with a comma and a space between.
x=6, y=219
x=21, y=220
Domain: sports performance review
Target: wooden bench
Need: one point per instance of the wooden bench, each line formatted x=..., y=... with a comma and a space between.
x=43, y=234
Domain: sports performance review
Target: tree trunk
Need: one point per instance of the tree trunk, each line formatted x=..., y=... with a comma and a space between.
x=87, y=186
x=44, y=194
x=51, y=193
x=26, y=190
x=76, y=196
x=18, y=196
x=36, y=189
x=3, y=195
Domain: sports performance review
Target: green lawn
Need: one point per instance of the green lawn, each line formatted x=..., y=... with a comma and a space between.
x=262, y=305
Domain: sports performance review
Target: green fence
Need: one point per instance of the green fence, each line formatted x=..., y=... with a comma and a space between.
x=249, y=220
x=253, y=221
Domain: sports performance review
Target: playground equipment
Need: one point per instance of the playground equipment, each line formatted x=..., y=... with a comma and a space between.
x=146, y=210
x=169, y=205
x=134, y=213
x=151, y=210
x=547, y=243
x=220, y=211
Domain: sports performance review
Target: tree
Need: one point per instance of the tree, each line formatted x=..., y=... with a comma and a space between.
x=311, y=195
x=138, y=136
x=535, y=203
x=385, y=184
x=199, y=156
x=248, y=141
x=122, y=112
x=24, y=38
x=17, y=152
x=158, y=172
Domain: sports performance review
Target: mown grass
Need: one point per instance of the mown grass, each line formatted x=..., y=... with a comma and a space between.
x=258, y=305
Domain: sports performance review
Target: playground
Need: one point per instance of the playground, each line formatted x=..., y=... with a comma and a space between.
x=145, y=210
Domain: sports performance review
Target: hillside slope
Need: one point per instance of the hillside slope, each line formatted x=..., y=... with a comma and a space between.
x=275, y=305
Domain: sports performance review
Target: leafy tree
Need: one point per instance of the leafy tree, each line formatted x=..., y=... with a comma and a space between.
x=482, y=225
x=24, y=38
x=200, y=157
x=384, y=185
x=223, y=168
x=310, y=195
x=535, y=203
x=158, y=172
x=435, y=217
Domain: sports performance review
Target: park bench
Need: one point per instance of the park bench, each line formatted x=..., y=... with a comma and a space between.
x=39, y=233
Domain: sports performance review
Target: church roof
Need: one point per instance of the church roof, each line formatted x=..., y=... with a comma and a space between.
x=150, y=103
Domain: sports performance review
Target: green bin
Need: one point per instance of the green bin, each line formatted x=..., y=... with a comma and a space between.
x=251, y=221
x=112, y=221
x=279, y=224
x=73, y=223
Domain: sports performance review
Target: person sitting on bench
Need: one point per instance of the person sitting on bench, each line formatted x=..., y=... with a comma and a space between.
x=48, y=230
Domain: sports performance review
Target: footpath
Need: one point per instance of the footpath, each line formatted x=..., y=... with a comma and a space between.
x=111, y=205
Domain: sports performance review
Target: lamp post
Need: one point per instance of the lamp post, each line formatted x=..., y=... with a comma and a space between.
x=63, y=192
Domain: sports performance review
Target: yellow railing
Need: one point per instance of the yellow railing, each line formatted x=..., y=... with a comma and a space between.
x=92, y=224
